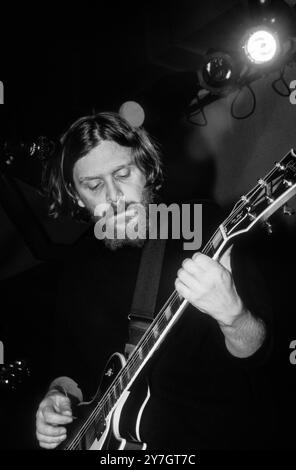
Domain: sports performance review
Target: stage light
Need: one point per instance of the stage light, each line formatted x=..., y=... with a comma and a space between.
x=218, y=72
x=261, y=45
x=268, y=45
x=133, y=113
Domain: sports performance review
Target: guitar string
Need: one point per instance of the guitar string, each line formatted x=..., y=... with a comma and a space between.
x=134, y=358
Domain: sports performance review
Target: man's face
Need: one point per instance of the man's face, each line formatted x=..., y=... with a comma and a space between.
x=110, y=185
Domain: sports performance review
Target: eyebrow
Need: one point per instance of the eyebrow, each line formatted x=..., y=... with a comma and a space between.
x=90, y=178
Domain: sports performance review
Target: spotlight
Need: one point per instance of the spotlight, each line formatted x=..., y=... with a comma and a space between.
x=261, y=45
x=218, y=72
x=133, y=113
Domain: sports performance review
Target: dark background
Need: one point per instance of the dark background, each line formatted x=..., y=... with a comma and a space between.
x=55, y=73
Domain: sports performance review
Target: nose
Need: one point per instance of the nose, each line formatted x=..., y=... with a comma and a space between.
x=113, y=192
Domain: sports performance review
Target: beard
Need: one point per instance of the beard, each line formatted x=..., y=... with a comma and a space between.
x=134, y=226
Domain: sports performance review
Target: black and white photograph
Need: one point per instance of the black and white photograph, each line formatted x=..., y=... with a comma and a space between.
x=147, y=231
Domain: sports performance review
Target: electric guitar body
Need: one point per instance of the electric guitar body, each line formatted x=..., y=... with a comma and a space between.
x=117, y=429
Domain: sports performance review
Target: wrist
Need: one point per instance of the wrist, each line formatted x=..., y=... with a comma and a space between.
x=237, y=319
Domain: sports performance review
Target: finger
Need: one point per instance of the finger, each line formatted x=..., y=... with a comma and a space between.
x=63, y=405
x=188, y=279
x=54, y=418
x=50, y=430
x=45, y=445
x=50, y=439
x=203, y=261
x=190, y=266
x=183, y=290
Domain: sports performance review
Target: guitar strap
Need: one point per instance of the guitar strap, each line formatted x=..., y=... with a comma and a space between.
x=145, y=294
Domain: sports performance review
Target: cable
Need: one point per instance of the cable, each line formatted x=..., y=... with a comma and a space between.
x=234, y=101
x=200, y=110
x=282, y=80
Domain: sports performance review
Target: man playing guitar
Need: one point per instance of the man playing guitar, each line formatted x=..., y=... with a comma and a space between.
x=204, y=379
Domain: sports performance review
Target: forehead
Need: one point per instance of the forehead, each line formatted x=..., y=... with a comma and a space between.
x=102, y=160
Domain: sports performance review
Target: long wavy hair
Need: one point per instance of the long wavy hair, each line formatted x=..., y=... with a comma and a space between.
x=81, y=137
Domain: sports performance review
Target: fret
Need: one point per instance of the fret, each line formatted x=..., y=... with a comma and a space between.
x=150, y=341
x=106, y=407
x=145, y=348
x=137, y=358
x=216, y=240
x=112, y=396
x=161, y=323
x=133, y=366
x=177, y=301
x=127, y=373
x=140, y=353
x=126, y=376
x=117, y=391
x=168, y=312
x=155, y=331
x=209, y=250
x=120, y=382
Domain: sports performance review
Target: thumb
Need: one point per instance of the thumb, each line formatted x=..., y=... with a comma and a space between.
x=63, y=405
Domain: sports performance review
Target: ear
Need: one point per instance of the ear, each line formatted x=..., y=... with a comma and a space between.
x=71, y=190
x=80, y=202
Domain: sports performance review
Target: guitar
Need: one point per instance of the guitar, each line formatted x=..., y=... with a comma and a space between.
x=98, y=423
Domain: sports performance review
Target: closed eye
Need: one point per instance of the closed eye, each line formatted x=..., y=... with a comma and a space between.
x=123, y=173
x=96, y=186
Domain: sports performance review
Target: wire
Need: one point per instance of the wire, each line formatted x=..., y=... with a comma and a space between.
x=200, y=110
x=196, y=123
x=232, y=112
x=282, y=80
